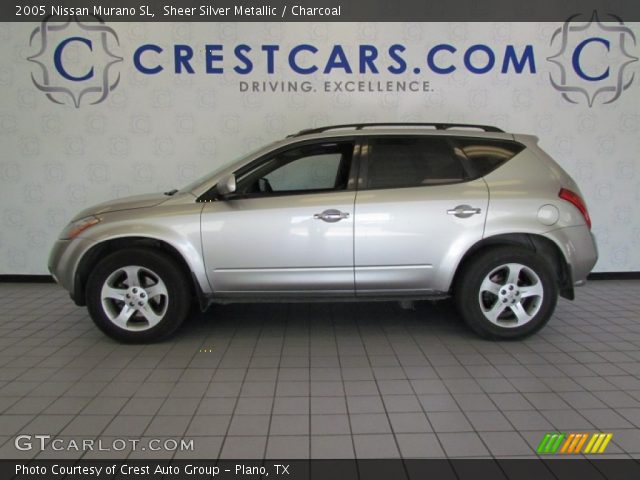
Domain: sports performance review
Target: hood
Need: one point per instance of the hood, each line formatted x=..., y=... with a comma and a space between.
x=126, y=203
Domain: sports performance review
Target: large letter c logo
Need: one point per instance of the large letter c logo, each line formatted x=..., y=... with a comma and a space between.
x=57, y=58
x=576, y=59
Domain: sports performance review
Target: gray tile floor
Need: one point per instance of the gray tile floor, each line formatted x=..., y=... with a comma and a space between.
x=321, y=381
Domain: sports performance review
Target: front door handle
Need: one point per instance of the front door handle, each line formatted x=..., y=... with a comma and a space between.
x=464, y=211
x=331, y=216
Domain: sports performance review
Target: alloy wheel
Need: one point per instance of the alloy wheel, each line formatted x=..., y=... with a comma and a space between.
x=134, y=298
x=511, y=295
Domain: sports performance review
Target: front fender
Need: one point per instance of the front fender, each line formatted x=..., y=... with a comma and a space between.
x=176, y=226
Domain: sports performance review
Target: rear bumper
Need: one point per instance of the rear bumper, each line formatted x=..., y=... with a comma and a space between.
x=580, y=250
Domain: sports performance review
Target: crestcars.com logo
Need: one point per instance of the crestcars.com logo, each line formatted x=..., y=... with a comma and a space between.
x=603, y=73
x=75, y=60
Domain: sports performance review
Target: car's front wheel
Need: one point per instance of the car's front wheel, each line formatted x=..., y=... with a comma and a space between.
x=138, y=295
x=506, y=292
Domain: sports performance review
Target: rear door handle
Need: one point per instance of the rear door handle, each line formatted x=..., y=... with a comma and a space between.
x=464, y=211
x=331, y=216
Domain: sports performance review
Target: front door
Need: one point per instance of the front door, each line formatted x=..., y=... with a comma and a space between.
x=288, y=228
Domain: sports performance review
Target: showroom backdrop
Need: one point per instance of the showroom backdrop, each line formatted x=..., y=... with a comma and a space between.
x=89, y=114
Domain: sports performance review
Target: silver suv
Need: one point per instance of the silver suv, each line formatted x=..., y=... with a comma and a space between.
x=360, y=212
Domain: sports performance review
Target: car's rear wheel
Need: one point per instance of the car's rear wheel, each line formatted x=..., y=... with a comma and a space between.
x=138, y=295
x=506, y=292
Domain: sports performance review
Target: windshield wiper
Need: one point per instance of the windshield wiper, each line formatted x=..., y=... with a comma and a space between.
x=171, y=192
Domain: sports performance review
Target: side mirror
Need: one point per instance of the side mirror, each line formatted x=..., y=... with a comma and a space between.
x=226, y=186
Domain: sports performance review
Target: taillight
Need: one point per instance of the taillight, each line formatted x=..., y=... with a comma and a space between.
x=577, y=202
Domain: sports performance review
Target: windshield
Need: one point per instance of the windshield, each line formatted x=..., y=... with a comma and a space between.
x=208, y=177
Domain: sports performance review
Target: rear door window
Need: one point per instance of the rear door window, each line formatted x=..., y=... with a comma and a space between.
x=397, y=162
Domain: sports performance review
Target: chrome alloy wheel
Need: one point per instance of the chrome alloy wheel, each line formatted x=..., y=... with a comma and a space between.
x=134, y=298
x=511, y=295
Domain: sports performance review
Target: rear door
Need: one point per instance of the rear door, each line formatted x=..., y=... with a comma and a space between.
x=417, y=212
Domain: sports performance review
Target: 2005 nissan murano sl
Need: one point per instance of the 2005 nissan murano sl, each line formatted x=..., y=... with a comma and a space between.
x=361, y=212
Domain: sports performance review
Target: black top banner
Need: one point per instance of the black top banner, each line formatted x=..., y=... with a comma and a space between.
x=318, y=10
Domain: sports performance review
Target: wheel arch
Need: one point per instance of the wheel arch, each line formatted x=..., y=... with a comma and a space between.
x=547, y=249
x=97, y=252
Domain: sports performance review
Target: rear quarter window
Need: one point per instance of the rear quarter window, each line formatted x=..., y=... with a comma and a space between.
x=484, y=155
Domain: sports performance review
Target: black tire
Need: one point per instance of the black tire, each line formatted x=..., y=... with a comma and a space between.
x=470, y=303
x=178, y=297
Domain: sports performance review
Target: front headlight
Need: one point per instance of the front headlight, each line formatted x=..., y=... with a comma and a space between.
x=76, y=228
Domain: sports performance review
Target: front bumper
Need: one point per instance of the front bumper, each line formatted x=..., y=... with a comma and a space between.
x=64, y=259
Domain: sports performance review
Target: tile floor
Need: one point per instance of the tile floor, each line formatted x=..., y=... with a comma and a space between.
x=323, y=381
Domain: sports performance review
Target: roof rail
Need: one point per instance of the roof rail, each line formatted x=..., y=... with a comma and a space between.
x=360, y=126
